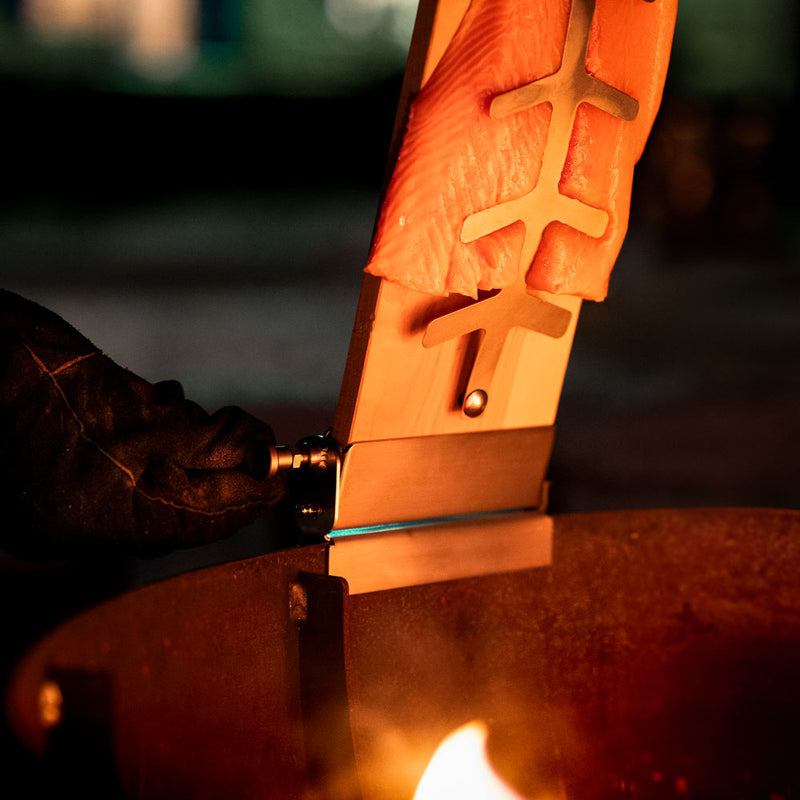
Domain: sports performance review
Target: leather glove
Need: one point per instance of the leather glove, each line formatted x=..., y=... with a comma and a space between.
x=94, y=458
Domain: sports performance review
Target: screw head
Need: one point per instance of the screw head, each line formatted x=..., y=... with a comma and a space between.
x=475, y=403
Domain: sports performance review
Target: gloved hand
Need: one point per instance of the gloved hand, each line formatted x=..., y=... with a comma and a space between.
x=94, y=458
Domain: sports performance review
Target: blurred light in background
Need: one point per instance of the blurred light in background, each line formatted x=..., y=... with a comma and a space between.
x=736, y=48
x=208, y=47
x=163, y=35
x=723, y=48
x=159, y=37
x=359, y=18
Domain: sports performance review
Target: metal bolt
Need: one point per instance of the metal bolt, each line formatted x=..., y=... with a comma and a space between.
x=298, y=603
x=475, y=403
x=51, y=702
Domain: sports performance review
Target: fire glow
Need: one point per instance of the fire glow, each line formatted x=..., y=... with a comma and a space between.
x=460, y=769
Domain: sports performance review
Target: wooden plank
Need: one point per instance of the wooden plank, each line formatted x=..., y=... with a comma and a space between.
x=393, y=386
x=406, y=390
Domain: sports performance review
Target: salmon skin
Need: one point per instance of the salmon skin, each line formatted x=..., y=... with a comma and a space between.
x=520, y=148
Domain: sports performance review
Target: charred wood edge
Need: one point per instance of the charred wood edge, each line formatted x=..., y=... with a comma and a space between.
x=319, y=611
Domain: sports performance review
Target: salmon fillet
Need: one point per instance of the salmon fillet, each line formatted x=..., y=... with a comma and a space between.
x=520, y=148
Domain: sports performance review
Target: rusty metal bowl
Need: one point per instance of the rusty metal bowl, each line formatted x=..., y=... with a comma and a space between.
x=658, y=655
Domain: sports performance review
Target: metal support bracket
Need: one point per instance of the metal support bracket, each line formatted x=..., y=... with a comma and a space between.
x=415, y=479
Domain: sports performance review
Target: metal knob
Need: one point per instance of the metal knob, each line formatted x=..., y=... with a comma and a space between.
x=312, y=453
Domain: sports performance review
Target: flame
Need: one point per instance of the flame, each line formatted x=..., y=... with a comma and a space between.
x=460, y=769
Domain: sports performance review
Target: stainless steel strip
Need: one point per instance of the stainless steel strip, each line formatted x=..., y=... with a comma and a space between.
x=441, y=552
x=429, y=477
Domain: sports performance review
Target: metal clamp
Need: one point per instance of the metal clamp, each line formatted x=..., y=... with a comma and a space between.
x=313, y=452
x=313, y=467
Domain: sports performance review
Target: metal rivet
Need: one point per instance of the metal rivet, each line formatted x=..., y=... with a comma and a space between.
x=298, y=603
x=51, y=702
x=475, y=403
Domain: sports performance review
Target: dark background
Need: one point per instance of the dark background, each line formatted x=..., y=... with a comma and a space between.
x=205, y=216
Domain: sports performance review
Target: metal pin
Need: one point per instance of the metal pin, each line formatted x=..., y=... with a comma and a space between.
x=475, y=403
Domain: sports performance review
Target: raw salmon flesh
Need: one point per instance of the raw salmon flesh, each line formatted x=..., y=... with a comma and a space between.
x=540, y=102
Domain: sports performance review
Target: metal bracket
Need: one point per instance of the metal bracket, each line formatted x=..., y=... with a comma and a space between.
x=414, y=479
x=330, y=757
x=496, y=316
x=419, y=478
